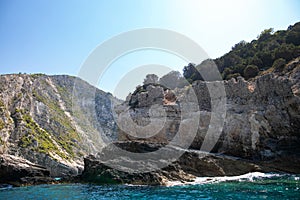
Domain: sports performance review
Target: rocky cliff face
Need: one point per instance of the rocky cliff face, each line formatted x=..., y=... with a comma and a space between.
x=260, y=132
x=104, y=168
x=42, y=122
x=18, y=171
x=55, y=121
x=262, y=115
x=190, y=165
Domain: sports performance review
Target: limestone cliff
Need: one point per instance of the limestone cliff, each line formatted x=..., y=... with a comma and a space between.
x=260, y=132
x=42, y=122
x=262, y=115
x=54, y=121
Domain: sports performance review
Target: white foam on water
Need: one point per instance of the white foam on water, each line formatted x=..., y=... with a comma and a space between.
x=5, y=186
x=206, y=180
x=133, y=185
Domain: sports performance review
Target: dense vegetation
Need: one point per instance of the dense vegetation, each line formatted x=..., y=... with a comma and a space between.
x=269, y=50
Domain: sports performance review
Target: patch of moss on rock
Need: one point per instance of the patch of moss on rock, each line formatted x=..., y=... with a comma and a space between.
x=65, y=133
x=2, y=107
x=1, y=104
x=44, y=142
x=37, y=75
x=2, y=124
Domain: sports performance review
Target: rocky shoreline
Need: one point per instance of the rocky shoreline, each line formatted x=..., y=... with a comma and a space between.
x=37, y=146
x=190, y=165
x=260, y=133
x=17, y=171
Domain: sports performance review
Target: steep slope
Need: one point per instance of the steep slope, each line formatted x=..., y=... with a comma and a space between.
x=43, y=121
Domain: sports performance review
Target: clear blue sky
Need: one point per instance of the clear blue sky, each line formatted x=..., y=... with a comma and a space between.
x=56, y=36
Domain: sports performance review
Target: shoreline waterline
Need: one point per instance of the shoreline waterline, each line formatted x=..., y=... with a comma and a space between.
x=252, y=185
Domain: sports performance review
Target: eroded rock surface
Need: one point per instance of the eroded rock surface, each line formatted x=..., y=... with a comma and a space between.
x=54, y=121
x=19, y=171
x=260, y=132
x=104, y=168
x=262, y=118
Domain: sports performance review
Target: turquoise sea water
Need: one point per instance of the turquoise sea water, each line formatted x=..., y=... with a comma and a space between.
x=269, y=187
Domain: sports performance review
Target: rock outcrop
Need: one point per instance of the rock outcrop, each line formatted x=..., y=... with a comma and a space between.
x=104, y=167
x=18, y=171
x=260, y=132
x=262, y=115
x=54, y=121
x=42, y=122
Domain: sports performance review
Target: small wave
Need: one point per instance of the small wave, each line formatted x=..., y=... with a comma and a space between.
x=245, y=177
x=134, y=185
x=5, y=186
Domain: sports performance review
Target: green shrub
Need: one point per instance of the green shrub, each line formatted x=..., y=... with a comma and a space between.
x=251, y=71
x=261, y=52
x=2, y=124
x=37, y=75
x=279, y=64
x=226, y=73
x=45, y=143
x=1, y=104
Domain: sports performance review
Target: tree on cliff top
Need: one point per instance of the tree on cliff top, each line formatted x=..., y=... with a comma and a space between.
x=191, y=73
x=261, y=52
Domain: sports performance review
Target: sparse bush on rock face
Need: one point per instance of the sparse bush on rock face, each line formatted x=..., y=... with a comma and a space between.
x=2, y=124
x=279, y=64
x=226, y=73
x=191, y=73
x=251, y=71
